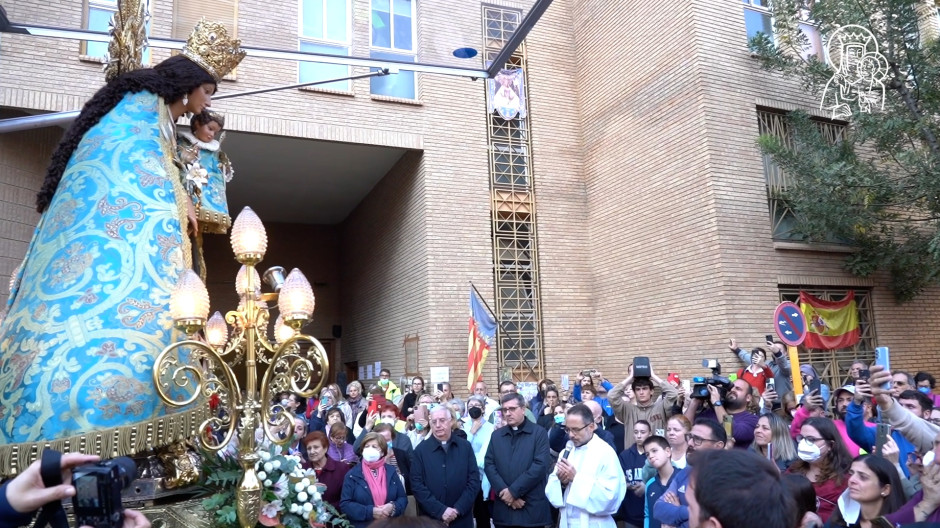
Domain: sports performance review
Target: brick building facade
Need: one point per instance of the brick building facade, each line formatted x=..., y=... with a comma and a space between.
x=654, y=232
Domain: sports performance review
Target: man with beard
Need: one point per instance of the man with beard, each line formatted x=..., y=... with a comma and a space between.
x=844, y=397
x=735, y=405
x=672, y=508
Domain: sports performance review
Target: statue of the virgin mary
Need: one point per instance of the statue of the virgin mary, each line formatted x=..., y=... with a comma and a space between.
x=88, y=310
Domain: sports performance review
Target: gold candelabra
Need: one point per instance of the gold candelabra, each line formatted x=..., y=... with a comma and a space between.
x=198, y=370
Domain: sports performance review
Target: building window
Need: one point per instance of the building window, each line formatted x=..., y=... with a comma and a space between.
x=325, y=28
x=833, y=365
x=515, y=233
x=783, y=219
x=757, y=18
x=186, y=14
x=393, y=38
x=99, y=19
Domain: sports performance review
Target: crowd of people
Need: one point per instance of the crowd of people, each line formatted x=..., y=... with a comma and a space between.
x=860, y=455
x=641, y=452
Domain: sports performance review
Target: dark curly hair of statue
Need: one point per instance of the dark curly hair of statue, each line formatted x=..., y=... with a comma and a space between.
x=204, y=118
x=171, y=80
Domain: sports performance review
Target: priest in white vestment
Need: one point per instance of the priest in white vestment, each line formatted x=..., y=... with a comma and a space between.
x=587, y=484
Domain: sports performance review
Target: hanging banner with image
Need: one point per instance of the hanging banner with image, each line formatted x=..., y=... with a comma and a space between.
x=507, y=94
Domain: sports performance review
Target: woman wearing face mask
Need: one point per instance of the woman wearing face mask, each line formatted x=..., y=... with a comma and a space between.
x=330, y=473
x=788, y=407
x=372, y=489
x=824, y=460
x=772, y=440
x=547, y=417
x=421, y=425
x=558, y=417
x=479, y=432
x=874, y=490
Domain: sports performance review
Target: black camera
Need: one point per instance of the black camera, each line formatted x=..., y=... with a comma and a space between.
x=700, y=384
x=98, y=486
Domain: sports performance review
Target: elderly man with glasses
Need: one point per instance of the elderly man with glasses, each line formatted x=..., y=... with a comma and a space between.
x=673, y=508
x=444, y=475
x=517, y=465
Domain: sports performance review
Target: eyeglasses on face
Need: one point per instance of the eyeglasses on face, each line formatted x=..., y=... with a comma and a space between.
x=510, y=409
x=577, y=429
x=698, y=440
x=810, y=439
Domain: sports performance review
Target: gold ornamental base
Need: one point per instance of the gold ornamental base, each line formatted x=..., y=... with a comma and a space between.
x=127, y=440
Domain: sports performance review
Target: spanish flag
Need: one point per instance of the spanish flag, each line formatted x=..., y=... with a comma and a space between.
x=830, y=324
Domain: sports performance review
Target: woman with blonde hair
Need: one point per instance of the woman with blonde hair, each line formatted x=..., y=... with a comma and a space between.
x=772, y=440
x=342, y=404
x=356, y=399
x=677, y=427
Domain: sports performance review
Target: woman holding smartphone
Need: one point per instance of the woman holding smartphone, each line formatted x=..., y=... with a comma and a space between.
x=772, y=441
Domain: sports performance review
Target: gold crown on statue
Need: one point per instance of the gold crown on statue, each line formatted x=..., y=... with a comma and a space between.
x=217, y=117
x=210, y=47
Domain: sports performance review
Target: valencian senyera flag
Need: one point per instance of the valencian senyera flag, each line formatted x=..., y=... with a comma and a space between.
x=482, y=337
x=830, y=324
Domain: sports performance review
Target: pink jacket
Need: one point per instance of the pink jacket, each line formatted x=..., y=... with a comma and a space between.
x=802, y=414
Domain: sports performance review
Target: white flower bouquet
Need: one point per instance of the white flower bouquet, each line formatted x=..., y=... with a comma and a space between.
x=290, y=494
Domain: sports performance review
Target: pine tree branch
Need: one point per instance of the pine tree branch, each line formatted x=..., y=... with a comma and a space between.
x=901, y=87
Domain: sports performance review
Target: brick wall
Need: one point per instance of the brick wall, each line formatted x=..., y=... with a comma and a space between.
x=384, y=268
x=654, y=233
x=680, y=236
x=568, y=301
x=23, y=160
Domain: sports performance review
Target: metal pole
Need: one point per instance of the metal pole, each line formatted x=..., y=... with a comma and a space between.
x=380, y=73
x=265, y=53
x=522, y=31
x=15, y=124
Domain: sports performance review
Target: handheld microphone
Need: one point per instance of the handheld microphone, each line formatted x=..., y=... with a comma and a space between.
x=569, y=447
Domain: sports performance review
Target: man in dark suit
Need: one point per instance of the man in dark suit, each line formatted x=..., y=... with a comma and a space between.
x=444, y=475
x=517, y=465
